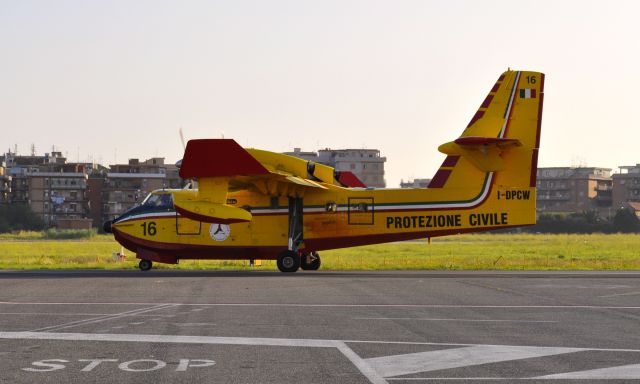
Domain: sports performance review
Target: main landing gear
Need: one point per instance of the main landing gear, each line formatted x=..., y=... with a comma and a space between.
x=145, y=265
x=310, y=261
x=290, y=260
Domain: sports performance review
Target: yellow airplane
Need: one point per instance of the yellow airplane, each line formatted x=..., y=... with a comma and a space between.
x=254, y=204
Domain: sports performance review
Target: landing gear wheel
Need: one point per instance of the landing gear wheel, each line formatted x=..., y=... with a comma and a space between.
x=145, y=265
x=288, y=261
x=310, y=261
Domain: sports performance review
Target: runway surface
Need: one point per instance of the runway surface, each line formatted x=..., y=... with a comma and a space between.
x=319, y=327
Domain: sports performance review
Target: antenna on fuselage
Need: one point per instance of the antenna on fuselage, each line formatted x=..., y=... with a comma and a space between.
x=191, y=184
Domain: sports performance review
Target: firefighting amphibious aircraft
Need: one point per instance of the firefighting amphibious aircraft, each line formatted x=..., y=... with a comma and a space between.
x=254, y=204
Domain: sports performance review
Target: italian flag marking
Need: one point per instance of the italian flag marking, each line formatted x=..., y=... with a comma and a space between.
x=527, y=93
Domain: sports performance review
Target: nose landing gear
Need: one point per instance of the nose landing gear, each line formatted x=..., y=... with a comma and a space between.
x=145, y=265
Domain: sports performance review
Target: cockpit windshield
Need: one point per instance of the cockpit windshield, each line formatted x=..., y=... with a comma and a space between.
x=155, y=200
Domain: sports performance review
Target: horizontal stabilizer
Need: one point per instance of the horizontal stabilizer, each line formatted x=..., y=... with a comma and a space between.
x=477, y=141
x=483, y=152
x=218, y=158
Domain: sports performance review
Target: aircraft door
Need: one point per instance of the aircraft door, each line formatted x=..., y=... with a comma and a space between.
x=186, y=226
x=361, y=211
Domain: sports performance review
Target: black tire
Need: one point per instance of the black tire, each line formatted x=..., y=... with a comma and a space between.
x=145, y=265
x=313, y=264
x=288, y=261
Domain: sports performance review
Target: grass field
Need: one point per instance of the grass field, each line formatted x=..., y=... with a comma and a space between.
x=485, y=251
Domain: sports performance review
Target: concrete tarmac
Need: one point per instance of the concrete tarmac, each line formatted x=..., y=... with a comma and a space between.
x=166, y=326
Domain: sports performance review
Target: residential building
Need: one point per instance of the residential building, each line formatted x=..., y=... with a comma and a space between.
x=626, y=188
x=366, y=164
x=58, y=195
x=5, y=182
x=126, y=185
x=53, y=188
x=415, y=183
x=574, y=189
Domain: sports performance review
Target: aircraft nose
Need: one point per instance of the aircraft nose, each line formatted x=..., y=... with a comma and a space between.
x=107, y=226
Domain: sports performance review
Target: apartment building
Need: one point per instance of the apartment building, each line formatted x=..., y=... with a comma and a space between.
x=575, y=189
x=58, y=196
x=366, y=164
x=626, y=188
x=415, y=183
x=5, y=182
x=53, y=189
x=124, y=186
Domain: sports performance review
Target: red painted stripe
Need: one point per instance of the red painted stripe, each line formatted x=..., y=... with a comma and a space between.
x=195, y=251
x=495, y=88
x=487, y=101
x=204, y=252
x=450, y=161
x=440, y=178
x=475, y=118
x=501, y=77
x=534, y=168
x=540, y=105
x=533, y=93
x=204, y=218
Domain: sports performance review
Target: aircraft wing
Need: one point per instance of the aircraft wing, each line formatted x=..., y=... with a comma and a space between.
x=222, y=165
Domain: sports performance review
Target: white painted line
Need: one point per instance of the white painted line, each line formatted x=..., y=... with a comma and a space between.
x=307, y=305
x=307, y=343
x=622, y=294
x=481, y=345
x=194, y=324
x=53, y=314
x=458, y=378
x=72, y=314
x=389, y=366
x=366, y=369
x=623, y=372
x=102, y=318
x=172, y=339
x=463, y=320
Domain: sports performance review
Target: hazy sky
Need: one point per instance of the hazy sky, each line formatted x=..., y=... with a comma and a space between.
x=117, y=79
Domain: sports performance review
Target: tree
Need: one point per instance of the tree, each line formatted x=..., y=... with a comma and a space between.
x=17, y=217
x=626, y=221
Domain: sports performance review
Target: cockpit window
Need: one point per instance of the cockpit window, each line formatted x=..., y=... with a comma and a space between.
x=158, y=201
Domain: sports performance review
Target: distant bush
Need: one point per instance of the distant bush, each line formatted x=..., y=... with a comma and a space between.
x=19, y=217
x=66, y=234
x=625, y=221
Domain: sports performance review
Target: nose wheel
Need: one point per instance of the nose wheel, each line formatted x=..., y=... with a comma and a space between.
x=145, y=265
